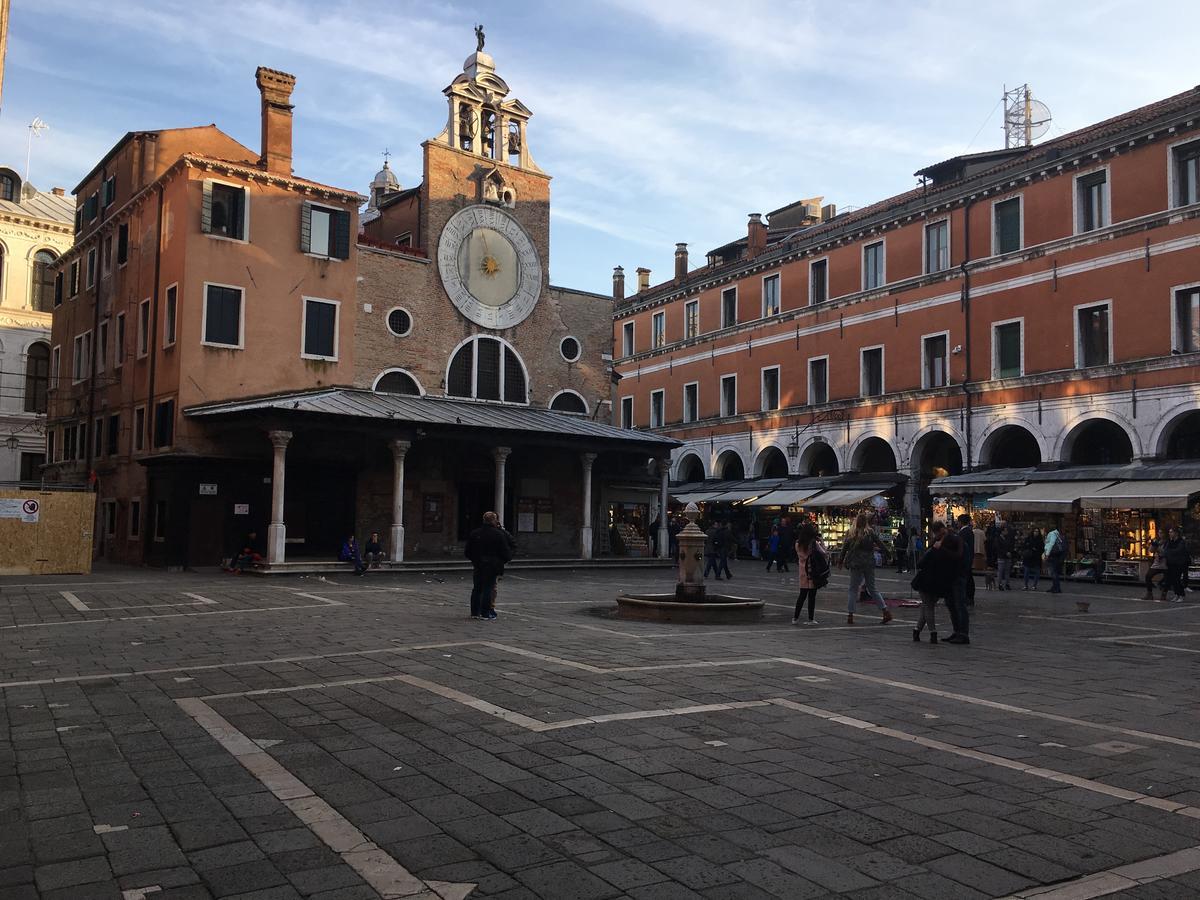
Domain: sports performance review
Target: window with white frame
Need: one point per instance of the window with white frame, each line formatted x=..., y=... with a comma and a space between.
x=73, y=279
x=108, y=511
x=325, y=231
x=225, y=211
x=818, y=380
x=729, y=307
x=106, y=254
x=658, y=329
x=691, y=319
x=873, y=266
x=143, y=333
x=102, y=348
x=1006, y=225
x=1091, y=201
x=55, y=367
x=1185, y=171
x=770, y=388
x=164, y=424
x=871, y=375
x=729, y=395
x=935, y=363
x=1093, y=335
x=818, y=281
x=81, y=357
x=160, y=521
x=319, y=339
x=627, y=346
x=223, y=315
x=112, y=434
x=658, y=403
x=1008, y=349
x=119, y=342
x=486, y=368
x=691, y=402
x=770, y=296
x=1187, y=320
x=627, y=412
x=170, y=310
x=937, y=246
x=135, y=518
x=91, y=269
x=139, y=429
x=97, y=438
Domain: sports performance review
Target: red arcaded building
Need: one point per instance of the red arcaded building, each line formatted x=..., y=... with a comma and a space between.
x=1022, y=319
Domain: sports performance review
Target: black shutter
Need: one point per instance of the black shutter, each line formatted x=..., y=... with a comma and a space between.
x=305, y=227
x=122, y=243
x=320, y=321
x=341, y=234
x=237, y=213
x=206, y=209
x=58, y=288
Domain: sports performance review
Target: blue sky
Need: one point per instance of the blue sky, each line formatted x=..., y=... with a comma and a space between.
x=660, y=121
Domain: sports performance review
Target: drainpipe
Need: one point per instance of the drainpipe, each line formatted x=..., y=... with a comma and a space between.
x=98, y=234
x=966, y=306
x=152, y=348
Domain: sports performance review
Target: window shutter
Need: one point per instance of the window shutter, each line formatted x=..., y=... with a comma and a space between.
x=341, y=234
x=206, y=208
x=306, y=227
x=122, y=243
x=58, y=288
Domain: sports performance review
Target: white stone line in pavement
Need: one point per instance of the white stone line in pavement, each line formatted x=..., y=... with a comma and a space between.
x=650, y=714
x=214, y=612
x=993, y=704
x=1129, y=638
x=371, y=862
x=1126, y=641
x=1122, y=878
x=75, y=602
x=1087, y=784
x=78, y=604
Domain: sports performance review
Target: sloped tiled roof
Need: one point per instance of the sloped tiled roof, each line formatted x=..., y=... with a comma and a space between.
x=43, y=205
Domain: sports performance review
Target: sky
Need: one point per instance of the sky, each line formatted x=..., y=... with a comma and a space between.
x=659, y=120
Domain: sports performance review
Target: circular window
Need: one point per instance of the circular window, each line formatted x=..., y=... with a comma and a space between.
x=399, y=322
x=569, y=348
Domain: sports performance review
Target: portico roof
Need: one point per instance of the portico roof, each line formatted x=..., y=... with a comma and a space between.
x=353, y=403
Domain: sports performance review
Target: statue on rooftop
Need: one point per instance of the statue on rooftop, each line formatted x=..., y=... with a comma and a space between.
x=479, y=38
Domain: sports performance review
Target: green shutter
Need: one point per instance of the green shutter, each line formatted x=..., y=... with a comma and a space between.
x=206, y=209
x=341, y=234
x=305, y=227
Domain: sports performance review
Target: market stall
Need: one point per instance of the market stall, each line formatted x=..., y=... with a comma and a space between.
x=1118, y=523
x=834, y=511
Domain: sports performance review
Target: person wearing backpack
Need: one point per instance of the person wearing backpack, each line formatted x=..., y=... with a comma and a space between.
x=812, y=562
x=1055, y=550
x=858, y=555
x=1177, y=558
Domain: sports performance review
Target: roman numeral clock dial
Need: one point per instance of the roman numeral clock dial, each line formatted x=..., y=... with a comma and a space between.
x=489, y=267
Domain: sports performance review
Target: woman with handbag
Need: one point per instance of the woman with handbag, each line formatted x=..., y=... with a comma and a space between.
x=935, y=577
x=812, y=561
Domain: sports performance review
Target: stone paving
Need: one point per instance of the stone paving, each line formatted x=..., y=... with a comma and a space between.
x=169, y=737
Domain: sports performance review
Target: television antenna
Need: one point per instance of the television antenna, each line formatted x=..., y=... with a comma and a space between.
x=1025, y=119
x=36, y=127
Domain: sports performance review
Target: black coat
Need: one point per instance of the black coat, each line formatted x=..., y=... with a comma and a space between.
x=1031, y=550
x=967, y=560
x=488, y=548
x=1175, y=553
x=936, y=572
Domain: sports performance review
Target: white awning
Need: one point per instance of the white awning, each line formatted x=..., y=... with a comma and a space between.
x=844, y=496
x=697, y=497
x=741, y=494
x=1047, y=496
x=1169, y=493
x=785, y=498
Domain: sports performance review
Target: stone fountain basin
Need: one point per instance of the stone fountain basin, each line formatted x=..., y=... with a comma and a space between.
x=714, y=608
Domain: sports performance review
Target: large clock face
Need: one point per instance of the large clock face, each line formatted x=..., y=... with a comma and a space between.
x=489, y=267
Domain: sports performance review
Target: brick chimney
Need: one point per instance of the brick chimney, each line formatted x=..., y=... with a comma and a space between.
x=276, y=90
x=643, y=279
x=58, y=192
x=618, y=283
x=756, y=234
x=681, y=262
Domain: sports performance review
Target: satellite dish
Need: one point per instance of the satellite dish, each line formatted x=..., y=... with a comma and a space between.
x=1039, y=119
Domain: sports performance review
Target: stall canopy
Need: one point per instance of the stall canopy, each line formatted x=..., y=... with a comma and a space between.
x=785, y=497
x=740, y=495
x=697, y=496
x=844, y=496
x=1165, y=494
x=1047, y=496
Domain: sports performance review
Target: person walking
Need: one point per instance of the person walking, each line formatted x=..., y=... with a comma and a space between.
x=488, y=550
x=725, y=546
x=1158, y=569
x=773, y=547
x=812, y=565
x=1177, y=558
x=916, y=547
x=1031, y=558
x=900, y=549
x=787, y=541
x=858, y=555
x=711, y=537
x=1054, y=550
x=964, y=584
x=937, y=572
x=1006, y=549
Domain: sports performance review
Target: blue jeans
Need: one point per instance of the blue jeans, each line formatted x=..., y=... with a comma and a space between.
x=1055, y=563
x=711, y=565
x=859, y=577
x=482, y=588
x=960, y=613
x=1033, y=574
x=723, y=564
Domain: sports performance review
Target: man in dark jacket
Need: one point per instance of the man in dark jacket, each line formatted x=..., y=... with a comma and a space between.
x=488, y=549
x=1178, y=559
x=960, y=615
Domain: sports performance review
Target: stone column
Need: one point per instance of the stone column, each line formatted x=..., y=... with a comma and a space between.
x=501, y=141
x=277, y=530
x=399, y=450
x=585, y=533
x=664, y=472
x=500, y=454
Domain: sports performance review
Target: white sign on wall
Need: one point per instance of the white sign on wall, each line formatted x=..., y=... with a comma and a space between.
x=208, y=490
x=25, y=510
x=241, y=509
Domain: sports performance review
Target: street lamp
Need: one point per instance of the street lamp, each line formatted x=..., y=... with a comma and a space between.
x=11, y=442
x=793, y=449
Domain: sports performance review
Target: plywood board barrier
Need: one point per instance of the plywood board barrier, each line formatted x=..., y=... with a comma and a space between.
x=46, y=532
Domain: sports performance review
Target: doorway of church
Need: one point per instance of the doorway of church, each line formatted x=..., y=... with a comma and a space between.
x=474, y=499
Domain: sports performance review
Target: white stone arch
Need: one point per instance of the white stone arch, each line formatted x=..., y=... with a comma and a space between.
x=586, y=408
x=983, y=450
x=504, y=343
x=43, y=339
x=856, y=445
x=393, y=369
x=682, y=461
x=1168, y=422
x=1064, y=442
x=909, y=463
x=761, y=456
x=722, y=453
x=6, y=261
x=809, y=448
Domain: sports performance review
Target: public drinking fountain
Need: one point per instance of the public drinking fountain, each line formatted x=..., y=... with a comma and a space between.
x=692, y=602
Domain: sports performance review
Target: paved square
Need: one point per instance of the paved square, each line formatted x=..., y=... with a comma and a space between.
x=188, y=736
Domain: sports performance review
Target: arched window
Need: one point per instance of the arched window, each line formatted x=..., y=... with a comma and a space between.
x=41, y=297
x=397, y=382
x=569, y=402
x=486, y=368
x=8, y=186
x=37, y=377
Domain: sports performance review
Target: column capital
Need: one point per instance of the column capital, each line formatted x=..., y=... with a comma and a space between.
x=399, y=447
x=500, y=454
x=664, y=466
x=587, y=459
x=279, y=439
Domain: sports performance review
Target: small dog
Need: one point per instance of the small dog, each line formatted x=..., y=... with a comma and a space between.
x=989, y=580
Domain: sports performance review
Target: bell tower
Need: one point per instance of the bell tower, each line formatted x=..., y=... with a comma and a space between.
x=482, y=119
